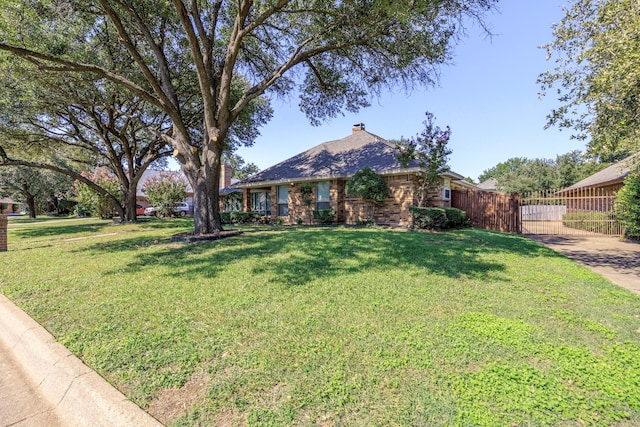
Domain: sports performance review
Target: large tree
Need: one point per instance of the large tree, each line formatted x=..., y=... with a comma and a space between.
x=597, y=75
x=335, y=54
x=93, y=126
x=36, y=188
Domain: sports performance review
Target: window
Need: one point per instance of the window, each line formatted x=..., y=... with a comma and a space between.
x=261, y=202
x=446, y=190
x=322, y=196
x=283, y=200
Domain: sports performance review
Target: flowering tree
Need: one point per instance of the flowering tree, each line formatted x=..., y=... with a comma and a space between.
x=429, y=152
x=164, y=191
x=99, y=204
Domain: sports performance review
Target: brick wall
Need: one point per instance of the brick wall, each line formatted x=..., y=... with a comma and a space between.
x=3, y=233
x=392, y=211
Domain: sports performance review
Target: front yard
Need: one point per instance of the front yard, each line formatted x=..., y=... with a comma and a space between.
x=333, y=326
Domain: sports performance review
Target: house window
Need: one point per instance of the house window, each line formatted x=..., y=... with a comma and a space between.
x=261, y=202
x=283, y=200
x=446, y=190
x=322, y=196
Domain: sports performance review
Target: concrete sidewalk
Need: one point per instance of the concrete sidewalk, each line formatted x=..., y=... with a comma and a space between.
x=43, y=384
x=616, y=259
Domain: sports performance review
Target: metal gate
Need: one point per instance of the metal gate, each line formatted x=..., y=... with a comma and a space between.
x=582, y=211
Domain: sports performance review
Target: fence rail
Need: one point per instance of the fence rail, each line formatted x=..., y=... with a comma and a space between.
x=581, y=211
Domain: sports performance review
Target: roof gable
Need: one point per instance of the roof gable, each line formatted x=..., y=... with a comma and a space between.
x=610, y=175
x=339, y=158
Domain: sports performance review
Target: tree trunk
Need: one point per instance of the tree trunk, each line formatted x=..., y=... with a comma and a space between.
x=130, y=204
x=205, y=181
x=31, y=205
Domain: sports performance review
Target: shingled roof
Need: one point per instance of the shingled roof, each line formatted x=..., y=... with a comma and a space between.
x=608, y=176
x=335, y=159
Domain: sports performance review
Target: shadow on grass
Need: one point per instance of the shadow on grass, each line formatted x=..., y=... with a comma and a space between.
x=57, y=230
x=294, y=257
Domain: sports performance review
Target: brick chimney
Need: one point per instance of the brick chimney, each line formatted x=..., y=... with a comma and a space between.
x=225, y=176
x=357, y=127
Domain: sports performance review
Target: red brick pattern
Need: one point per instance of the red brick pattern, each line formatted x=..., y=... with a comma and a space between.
x=3, y=233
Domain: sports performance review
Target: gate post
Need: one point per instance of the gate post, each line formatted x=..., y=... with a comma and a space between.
x=3, y=232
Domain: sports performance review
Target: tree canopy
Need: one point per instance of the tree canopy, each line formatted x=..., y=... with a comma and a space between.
x=334, y=55
x=596, y=51
x=520, y=174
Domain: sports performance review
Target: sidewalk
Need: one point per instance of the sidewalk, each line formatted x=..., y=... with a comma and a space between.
x=43, y=384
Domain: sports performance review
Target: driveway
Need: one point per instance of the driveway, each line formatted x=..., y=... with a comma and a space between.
x=616, y=259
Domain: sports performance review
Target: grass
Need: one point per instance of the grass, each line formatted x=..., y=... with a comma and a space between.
x=333, y=326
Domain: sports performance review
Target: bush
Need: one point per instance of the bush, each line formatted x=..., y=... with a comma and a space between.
x=437, y=218
x=593, y=222
x=324, y=216
x=627, y=205
x=239, y=217
x=456, y=218
x=225, y=218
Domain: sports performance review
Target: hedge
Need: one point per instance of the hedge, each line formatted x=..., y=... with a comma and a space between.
x=593, y=222
x=437, y=218
x=324, y=216
x=238, y=217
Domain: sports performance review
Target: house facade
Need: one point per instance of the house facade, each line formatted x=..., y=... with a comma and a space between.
x=597, y=192
x=316, y=180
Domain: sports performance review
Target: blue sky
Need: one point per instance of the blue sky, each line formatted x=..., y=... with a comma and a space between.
x=488, y=96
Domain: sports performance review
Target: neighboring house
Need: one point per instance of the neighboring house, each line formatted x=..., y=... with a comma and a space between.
x=608, y=180
x=225, y=188
x=9, y=206
x=597, y=192
x=490, y=184
x=275, y=192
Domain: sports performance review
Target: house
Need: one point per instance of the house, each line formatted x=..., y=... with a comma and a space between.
x=227, y=201
x=490, y=184
x=608, y=180
x=276, y=192
x=597, y=192
x=9, y=206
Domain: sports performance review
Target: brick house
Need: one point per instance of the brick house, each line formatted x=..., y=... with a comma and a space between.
x=597, y=192
x=326, y=168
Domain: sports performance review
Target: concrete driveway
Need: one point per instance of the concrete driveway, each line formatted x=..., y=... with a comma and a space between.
x=616, y=259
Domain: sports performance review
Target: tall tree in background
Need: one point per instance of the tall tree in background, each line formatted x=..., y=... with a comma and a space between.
x=335, y=55
x=37, y=188
x=597, y=57
x=429, y=152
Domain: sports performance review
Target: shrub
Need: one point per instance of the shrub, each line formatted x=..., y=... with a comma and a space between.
x=324, y=216
x=456, y=218
x=627, y=205
x=244, y=217
x=164, y=191
x=437, y=218
x=225, y=218
x=593, y=222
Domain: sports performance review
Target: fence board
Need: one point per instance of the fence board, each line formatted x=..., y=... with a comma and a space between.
x=493, y=211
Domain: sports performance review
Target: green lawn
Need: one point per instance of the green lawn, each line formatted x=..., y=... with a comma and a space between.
x=333, y=326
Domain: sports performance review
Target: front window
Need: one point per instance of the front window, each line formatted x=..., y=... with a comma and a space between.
x=322, y=196
x=446, y=190
x=283, y=200
x=261, y=203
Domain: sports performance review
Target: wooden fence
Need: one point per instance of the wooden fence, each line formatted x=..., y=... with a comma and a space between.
x=493, y=211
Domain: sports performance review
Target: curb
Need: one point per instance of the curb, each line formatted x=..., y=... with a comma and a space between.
x=81, y=396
